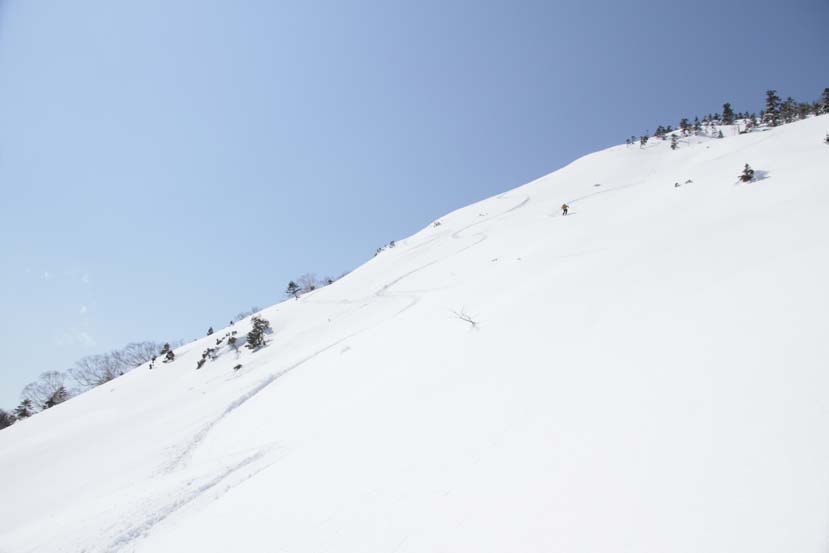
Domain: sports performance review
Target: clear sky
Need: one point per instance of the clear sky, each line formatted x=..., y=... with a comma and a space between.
x=165, y=164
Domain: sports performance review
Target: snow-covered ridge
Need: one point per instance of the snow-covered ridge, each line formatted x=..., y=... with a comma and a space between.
x=647, y=373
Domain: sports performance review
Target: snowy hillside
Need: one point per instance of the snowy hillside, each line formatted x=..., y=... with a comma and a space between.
x=648, y=373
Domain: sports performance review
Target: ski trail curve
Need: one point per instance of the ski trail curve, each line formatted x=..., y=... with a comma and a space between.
x=190, y=447
x=137, y=529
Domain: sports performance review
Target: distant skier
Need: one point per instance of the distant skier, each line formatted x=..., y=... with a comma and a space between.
x=564, y=208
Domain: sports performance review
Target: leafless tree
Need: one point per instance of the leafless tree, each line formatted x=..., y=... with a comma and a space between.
x=44, y=388
x=245, y=314
x=307, y=282
x=94, y=370
x=135, y=354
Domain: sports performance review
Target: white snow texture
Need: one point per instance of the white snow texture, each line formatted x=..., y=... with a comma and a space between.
x=646, y=374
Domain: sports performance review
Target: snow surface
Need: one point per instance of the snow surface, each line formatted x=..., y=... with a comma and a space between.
x=647, y=374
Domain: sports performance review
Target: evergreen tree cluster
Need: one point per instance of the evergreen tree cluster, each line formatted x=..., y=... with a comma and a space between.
x=6, y=419
x=643, y=140
x=774, y=113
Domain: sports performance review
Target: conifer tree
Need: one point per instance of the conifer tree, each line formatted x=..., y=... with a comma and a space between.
x=59, y=396
x=24, y=410
x=788, y=110
x=772, y=112
x=824, y=101
x=727, y=114
x=6, y=419
x=643, y=140
x=256, y=336
x=697, y=126
x=684, y=125
x=674, y=144
x=747, y=174
x=292, y=289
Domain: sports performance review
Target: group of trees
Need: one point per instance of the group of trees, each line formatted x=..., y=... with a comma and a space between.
x=307, y=282
x=779, y=111
x=255, y=339
x=391, y=244
x=776, y=112
x=54, y=387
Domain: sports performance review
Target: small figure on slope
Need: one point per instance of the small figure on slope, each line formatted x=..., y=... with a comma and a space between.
x=564, y=208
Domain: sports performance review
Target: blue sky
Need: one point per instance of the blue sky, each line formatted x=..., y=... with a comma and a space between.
x=167, y=164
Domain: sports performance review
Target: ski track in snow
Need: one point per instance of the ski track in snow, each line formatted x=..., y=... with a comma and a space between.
x=457, y=235
x=597, y=193
x=148, y=520
x=151, y=519
x=186, y=453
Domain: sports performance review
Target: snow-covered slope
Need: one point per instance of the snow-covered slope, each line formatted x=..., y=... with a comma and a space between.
x=648, y=373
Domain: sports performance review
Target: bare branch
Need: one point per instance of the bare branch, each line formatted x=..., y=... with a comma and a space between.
x=462, y=315
x=43, y=389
